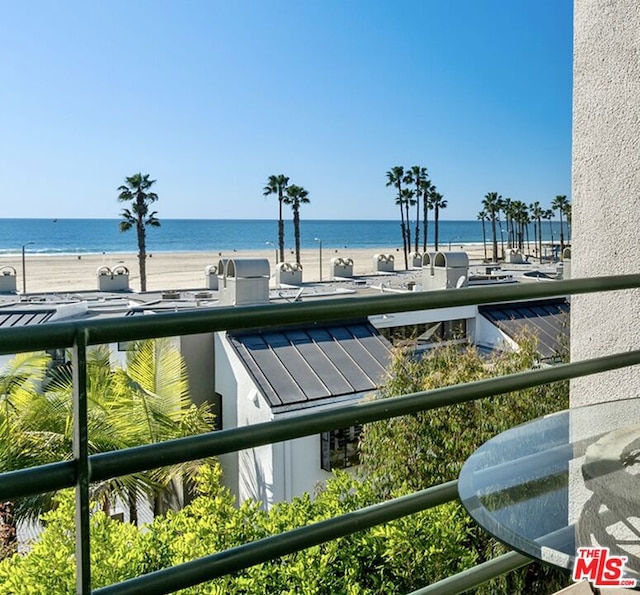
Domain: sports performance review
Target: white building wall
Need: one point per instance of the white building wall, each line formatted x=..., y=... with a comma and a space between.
x=606, y=188
x=490, y=336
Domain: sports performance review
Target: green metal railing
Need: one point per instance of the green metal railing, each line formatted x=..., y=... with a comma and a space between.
x=84, y=469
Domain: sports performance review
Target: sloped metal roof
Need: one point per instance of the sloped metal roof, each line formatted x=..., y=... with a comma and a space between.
x=11, y=318
x=547, y=320
x=302, y=366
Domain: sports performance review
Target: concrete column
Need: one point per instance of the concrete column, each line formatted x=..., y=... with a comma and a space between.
x=606, y=188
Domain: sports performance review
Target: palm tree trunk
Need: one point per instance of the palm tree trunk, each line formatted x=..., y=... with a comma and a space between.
x=408, y=248
x=133, y=508
x=296, y=232
x=417, y=240
x=484, y=239
x=142, y=256
x=561, y=230
x=436, y=220
x=494, y=238
x=280, y=228
x=540, y=238
x=426, y=226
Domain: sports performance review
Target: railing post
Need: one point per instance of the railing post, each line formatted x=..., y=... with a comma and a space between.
x=81, y=458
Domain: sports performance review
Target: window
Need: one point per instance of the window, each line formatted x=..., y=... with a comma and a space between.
x=340, y=448
x=427, y=333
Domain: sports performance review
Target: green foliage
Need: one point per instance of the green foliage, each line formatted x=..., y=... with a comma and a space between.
x=416, y=451
x=400, y=456
x=394, y=558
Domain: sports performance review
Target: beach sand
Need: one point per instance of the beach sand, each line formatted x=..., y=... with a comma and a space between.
x=173, y=270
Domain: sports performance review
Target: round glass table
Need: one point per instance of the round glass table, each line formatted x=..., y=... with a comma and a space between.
x=562, y=482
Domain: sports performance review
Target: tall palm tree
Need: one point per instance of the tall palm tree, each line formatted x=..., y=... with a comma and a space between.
x=492, y=204
x=520, y=214
x=427, y=190
x=507, y=208
x=277, y=185
x=409, y=201
x=417, y=175
x=482, y=216
x=567, y=214
x=136, y=190
x=559, y=204
x=536, y=214
x=548, y=215
x=395, y=177
x=438, y=203
x=296, y=196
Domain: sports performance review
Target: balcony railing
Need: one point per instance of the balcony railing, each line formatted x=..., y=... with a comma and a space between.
x=84, y=469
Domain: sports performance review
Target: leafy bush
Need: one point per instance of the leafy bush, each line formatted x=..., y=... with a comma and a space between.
x=412, y=452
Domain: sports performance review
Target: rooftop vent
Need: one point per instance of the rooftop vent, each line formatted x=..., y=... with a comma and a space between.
x=113, y=280
x=245, y=281
x=341, y=267
x=170, y=294
x=7, y=279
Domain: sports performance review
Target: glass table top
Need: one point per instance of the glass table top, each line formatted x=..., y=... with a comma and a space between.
x=562, y=482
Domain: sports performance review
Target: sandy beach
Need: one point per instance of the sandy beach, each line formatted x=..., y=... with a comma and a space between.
x=183, y=270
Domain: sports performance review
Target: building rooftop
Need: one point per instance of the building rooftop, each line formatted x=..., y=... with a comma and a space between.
x=299, y=367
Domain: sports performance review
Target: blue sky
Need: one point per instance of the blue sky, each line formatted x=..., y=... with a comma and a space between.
x=211, y=97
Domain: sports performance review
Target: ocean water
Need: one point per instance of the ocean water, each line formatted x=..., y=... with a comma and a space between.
x=86, y=236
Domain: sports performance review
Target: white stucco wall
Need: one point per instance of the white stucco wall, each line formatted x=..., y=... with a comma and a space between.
x=606, y=188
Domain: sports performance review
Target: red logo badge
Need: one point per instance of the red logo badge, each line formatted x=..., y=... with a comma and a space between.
x=600, y=568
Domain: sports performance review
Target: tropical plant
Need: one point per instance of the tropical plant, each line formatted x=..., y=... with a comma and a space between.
x=507, y=209
x=136, y=190
x=567, y=214
x=147, y=401
x=548, y=215
x=492, y=204
x=536, y=214
x=427, y=191
x=482, y=216
x=417, y=175
x=560, y=204
x=277, y=185
x=438, y=202
x=395, y=177
x=296, y=196
x=520, y=222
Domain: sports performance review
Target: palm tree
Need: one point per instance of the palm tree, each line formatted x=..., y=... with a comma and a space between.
x=145, y=402
x=395, y=176
x=417, y=175
x=492, y=204
x=278, y=185
x=508, y=218
x=296, y=196
x=136, y=190
x=520, y=214
x=567, y=214
x=482, y=216
x=427, y=190
x=548, y=215
x=409, y=201
x=536, y=214
x=559, y=204
x=438, y=203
